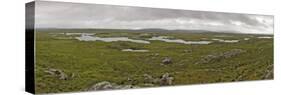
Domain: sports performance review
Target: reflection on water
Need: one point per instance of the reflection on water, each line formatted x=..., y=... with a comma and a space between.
x=165, y=39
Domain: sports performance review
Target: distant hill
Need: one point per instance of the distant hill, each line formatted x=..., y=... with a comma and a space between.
x=140, y=30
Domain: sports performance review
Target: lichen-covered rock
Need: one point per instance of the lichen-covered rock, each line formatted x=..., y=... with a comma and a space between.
x=269, y=72
x=105, y=85
x=268, y=75
x=58, y=73
x=167, y=60
x=166, y=79
x=148, y=78
x=124, y=87
x=63, y=76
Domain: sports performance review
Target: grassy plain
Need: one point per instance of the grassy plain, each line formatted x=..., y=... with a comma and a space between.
x=95, y=61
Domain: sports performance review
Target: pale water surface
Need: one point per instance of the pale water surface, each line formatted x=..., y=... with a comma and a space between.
x=89, y=34
x=226, y=41
x=84, y=37
x=165, y=39
x=131, y=50
x=246, y=39
x=265, y=37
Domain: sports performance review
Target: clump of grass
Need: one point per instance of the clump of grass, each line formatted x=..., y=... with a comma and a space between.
x=124, y=45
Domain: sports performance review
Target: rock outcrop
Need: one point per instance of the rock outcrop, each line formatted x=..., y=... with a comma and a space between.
x=58, y=73
x=166, y=79
x=149, y=81
x=148, y=78
x=105, y=85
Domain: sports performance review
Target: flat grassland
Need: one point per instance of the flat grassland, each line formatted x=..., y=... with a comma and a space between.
x=86, y=63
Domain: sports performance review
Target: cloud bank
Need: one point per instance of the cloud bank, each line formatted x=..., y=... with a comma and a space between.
x=74, y=15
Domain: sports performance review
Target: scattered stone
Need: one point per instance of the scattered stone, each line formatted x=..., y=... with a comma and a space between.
x=148, y=78
x=167, y=60
x=51, y=71
x=220, y=56
x=72, y=75
x=63, y=76
x=166, y=79
x=58, y=73
x=124, y=87
x=149, y=81
x=239, y=78
x=268, y=75
x=131, y=81
x=232, y=53
x=269, y=72
x=187, y=51
x=105, y=85
x=208, y=59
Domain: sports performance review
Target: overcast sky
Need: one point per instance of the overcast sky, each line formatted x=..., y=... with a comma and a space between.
x=74, y=15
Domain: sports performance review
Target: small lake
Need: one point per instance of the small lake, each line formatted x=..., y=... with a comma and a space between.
x=131, y=50
x=223, y=36
x=226, y=41
x=165, y=39
x=265, y=37
x=91, y=37
x=86, y=34
x=85, y=37
x=246, y=39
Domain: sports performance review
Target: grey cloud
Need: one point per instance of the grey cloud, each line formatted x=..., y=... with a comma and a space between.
x=75, y=15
